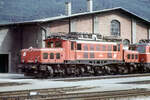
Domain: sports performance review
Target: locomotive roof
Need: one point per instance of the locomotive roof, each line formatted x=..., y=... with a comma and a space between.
x=87, y=37
x=144, y=42
x=95, y=42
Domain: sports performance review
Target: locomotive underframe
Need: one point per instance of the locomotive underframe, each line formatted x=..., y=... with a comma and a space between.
x=82, y=68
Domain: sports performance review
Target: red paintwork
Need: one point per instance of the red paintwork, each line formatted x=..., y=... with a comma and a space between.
x=145, y=56
x=131, y=53
x=33, y=55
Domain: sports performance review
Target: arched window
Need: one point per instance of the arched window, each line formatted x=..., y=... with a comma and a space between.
x=115, y=27
x=126, y=44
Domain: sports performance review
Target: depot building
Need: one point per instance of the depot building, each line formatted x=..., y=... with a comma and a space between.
x=117, y=22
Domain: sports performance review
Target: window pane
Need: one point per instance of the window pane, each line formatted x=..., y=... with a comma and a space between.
x=58, y=44
x=57, y=55
x=132, y=56
x=50, y=44
x=45, y=55
x=51, y=55
x=78, y=46
x=72, y=45
x=114, y=48
x=118, y=47
x=128, y=56
x=136, y=56
x=115, y=28
x=141, y=49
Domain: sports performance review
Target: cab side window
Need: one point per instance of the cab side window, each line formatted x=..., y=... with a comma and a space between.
x=114, y=48
x=45, y=55
x=50, y=44
x=79, y=47
x=72, y=45
x=118, y=47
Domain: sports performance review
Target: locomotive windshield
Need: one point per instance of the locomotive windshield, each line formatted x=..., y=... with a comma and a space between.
x=141, y=49
x=53, y=44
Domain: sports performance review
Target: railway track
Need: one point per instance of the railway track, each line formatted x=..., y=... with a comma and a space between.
x=74, y=92
x=100, y=77
x=65, y=95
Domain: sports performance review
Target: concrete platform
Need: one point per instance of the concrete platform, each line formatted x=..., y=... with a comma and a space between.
x=96, y=85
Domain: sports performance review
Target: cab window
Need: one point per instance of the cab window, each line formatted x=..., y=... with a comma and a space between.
x=78, y=46
x=118, y=47
x=114, y=48
x=72, y=45
x=141, y=49
x=45, y=55
x=58, y=44
x=50, y=44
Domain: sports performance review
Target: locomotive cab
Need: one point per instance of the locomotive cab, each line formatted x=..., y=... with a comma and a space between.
x=53, y=53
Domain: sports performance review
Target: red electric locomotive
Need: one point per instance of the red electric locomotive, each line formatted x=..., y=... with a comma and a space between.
x=79, y=54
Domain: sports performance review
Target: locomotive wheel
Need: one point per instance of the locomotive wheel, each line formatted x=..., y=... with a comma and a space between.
x=50, y=71
x=77, y=71
x=98, y=71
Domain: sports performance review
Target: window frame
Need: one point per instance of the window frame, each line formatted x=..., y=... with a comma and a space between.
x=57, y=55
x=79, y=46
x=128, y=56
x=45, y=55
x=72, y=46
x=58, y=46
x=114, y=47
x=115, y=28
x=52, y=56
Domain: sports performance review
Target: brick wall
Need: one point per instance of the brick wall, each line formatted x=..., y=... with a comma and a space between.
x=141, y=31
x=102, y=25
x=58, y=26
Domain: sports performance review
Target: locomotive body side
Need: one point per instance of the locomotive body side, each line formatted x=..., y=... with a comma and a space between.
x=131, y=56
x=96, y=51
x=30, y=55
x=63, y=56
